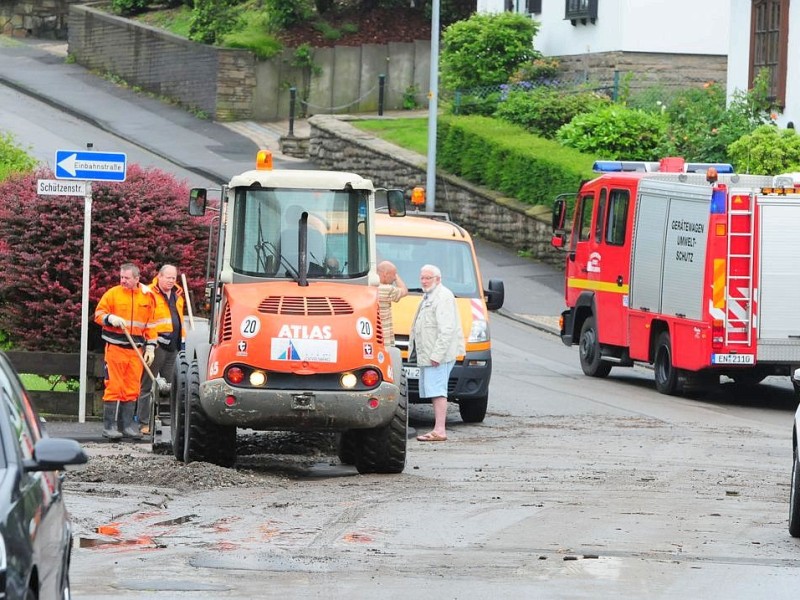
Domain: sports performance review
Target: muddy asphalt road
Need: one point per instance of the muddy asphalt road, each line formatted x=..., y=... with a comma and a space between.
x=571, y=488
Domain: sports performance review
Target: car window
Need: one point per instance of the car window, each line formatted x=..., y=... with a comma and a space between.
x=23, y=417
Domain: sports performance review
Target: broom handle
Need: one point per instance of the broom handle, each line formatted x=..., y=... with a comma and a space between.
x=188, y=300
x=139, y=354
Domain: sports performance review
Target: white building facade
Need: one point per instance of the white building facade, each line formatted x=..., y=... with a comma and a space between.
x=766, y=34
x=679, y=40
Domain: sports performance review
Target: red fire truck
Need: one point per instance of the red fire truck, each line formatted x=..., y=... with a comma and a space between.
x=691, y=268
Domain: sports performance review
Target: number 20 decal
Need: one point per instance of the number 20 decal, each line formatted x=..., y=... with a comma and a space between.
x=250, y=327
x=364, y=328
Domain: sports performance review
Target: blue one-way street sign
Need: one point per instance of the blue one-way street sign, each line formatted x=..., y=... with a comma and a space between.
x=92, y=166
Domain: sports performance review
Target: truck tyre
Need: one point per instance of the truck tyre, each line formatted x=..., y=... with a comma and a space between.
x=794, y=497
x=383, y=449
x=666, y=374
x=348, y=445
x=177, y=397
x=473, y=411
x=205, y=441
x=589, y=351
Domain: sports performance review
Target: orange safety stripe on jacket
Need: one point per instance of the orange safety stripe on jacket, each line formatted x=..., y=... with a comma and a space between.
x=162, y=319
x=137, y=307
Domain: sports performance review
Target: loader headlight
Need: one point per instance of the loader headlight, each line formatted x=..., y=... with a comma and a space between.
x=348, y=380
x=258, y=378
x=479, y=332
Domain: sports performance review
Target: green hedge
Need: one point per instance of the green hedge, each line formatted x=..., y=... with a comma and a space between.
x=508, y=159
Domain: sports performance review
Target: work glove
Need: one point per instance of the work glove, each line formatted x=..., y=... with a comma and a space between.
x=149, y=355
x=116, y=321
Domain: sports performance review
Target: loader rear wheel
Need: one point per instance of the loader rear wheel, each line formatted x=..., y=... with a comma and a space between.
x=205, y=441
x=177, y=398
x=589, y=351
x=383, y=449
x=666, y=374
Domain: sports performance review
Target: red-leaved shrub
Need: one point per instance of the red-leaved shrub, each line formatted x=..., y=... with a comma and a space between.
x=143, y=220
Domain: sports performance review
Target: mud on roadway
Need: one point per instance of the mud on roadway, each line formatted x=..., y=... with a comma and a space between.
x=555, y=506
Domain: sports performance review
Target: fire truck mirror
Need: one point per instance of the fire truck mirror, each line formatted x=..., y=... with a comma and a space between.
x=559, y=211
x=557, y=241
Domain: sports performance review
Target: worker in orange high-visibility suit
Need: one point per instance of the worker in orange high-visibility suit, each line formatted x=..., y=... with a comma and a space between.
x=127, y=306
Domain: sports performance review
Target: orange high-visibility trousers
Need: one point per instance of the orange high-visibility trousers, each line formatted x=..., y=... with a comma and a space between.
x=123, y=374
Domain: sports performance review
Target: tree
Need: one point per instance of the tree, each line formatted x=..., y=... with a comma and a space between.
x=142, y=220
x=486, y=49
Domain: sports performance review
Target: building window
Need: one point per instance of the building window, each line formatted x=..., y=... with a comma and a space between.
x=769, y=43
x=534, y=7
x=581, y=10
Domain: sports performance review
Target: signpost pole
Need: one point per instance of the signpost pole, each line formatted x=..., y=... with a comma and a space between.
x=87, y=237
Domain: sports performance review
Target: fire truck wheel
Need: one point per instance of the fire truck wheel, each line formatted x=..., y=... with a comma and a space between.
x=794, y=498
x=666, y=374
x=177, y=397
x=589, y=351
x=348, y=444
x=383, y=449
x=205, y=441
x=473, y=411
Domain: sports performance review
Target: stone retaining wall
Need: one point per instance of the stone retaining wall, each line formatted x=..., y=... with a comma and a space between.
x=45, y=19
x=643, y=70
x=335, y=144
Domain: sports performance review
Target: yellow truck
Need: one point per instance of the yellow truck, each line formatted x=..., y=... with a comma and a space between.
x=431, y=238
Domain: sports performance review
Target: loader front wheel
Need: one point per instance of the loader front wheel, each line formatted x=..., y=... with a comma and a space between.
x=383, y=449
x=205, y=441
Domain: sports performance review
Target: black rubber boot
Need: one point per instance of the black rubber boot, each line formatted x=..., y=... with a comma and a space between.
x=129, y=428
x=110, y=430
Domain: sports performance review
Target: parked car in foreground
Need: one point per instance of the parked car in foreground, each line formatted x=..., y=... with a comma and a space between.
x=35, y=531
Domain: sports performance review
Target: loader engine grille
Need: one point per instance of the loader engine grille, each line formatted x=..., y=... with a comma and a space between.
x=305, y=306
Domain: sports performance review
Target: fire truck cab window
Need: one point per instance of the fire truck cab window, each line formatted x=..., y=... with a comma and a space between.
x=585, y=216
x=617, y=217
x=601, y=214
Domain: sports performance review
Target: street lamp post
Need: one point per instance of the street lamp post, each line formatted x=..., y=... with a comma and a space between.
x=433, y=101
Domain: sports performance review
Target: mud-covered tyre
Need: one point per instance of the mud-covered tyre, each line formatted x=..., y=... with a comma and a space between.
x=383, y=449
x=473, y=411
x=177, y=399
x=205, y=441
x=589, y=351
x=348, y=446
x=665, y=372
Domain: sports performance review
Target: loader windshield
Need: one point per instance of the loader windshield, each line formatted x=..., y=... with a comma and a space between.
x=267, y=228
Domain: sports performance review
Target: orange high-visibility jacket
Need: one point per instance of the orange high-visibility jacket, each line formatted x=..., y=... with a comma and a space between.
x=162, y=320
x=137, y=307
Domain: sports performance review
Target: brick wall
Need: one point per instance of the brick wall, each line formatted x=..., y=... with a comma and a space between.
x=337, y=145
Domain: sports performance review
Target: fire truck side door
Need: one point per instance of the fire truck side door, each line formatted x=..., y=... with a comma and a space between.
x=611, y=261
x=580, y=249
